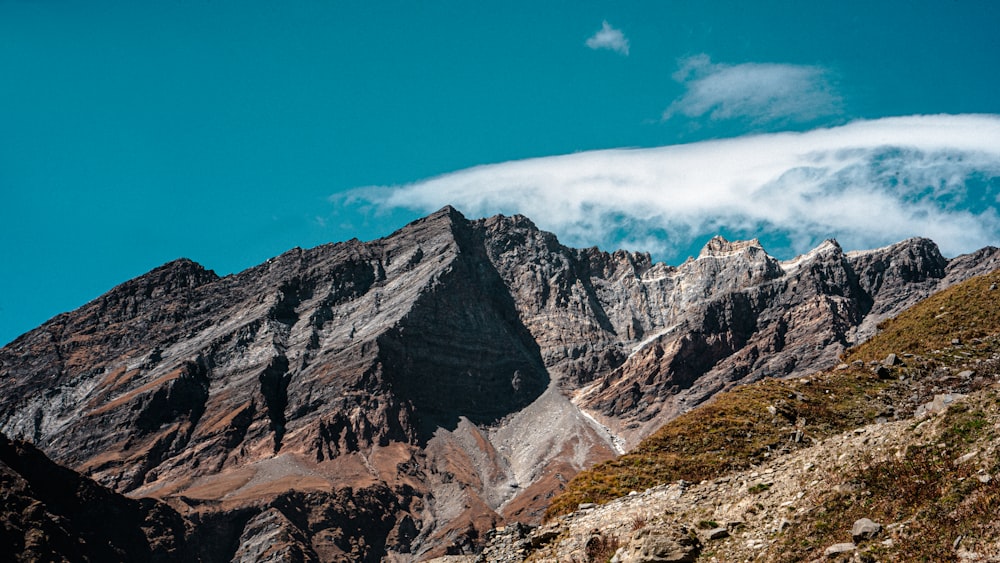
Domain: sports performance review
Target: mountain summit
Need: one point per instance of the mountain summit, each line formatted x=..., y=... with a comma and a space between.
x=393, y=399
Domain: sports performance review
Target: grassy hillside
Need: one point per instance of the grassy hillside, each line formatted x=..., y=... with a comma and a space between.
x=954, y=330
x=942, y=493
x=964, y=313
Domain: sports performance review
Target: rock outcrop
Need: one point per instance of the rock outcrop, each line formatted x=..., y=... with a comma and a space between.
x=51, y=513
x=397, y=398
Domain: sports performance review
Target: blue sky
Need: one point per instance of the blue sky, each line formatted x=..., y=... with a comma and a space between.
x=133, y=133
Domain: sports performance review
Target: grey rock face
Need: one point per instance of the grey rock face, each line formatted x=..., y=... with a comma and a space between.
x=270, y=536
x=509, y=544
x=735, y=314
x=717, y=533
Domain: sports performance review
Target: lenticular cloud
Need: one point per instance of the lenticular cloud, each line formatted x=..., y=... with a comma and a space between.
x=867, y=184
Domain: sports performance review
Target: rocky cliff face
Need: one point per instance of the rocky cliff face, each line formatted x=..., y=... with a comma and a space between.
x=891, y=456
x=392, y=399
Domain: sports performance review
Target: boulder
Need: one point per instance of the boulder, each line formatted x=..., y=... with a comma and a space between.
x=839, y=548
x=717, y=534
x=882, y=372
x=674, y=545
x=940, y=403
x=865, y=529
x=543, y=536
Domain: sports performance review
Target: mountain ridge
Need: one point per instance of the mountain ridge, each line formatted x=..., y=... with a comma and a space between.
x=421, y=367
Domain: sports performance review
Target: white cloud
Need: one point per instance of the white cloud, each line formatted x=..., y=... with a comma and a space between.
x=609, y=38
x=760, y=92
x=868, y=183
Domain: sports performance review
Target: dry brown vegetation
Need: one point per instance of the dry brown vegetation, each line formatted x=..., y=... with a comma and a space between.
x=935, y=503
x=734, y=431
x=966, y=312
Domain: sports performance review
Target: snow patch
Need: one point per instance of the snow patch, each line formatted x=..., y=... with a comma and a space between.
x=791, y=266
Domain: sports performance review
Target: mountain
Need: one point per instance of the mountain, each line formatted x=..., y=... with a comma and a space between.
x=891, y=456
x=394, y=399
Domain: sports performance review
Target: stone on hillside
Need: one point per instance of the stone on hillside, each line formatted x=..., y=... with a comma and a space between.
x=967, y=457
x=966, y=374
x=543, y=536
x=784, y=408
x=839, y=548
x=865, y=529
x=891, y=360
x=882, y=372
x=506, y=544
x=940, y=403
x=717, y=534
x=674, y=545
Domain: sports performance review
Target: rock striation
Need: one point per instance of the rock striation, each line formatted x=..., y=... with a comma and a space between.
x=394, y=399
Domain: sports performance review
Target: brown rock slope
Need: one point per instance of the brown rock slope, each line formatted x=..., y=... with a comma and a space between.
x=395, y=398
x=50, y=513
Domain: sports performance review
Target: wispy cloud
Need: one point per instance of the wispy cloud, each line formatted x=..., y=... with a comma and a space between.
x=758, y=92
x=609, y=38
x=868, y=183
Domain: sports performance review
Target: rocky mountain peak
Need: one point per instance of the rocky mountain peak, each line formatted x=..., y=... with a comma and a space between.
x=790, y=469
x=719, y=247
x=172, y=278
x=447, y=215
x=913, y=259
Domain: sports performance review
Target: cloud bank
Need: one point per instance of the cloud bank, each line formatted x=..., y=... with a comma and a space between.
x=609, y=38
x=759, y=92
x=867, y=184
